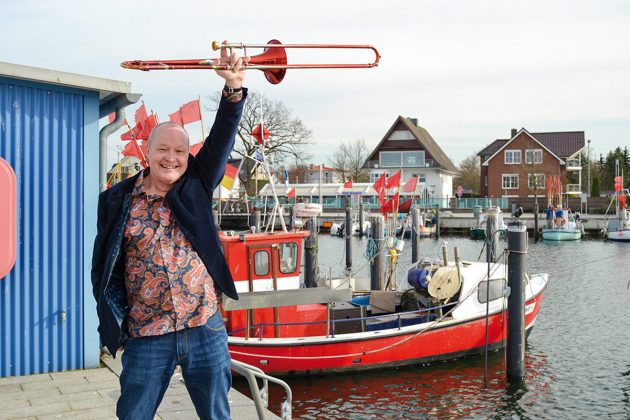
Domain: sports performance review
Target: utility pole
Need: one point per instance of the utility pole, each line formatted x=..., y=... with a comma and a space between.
x=588, y=177
x=321, y=175
x=588, y=187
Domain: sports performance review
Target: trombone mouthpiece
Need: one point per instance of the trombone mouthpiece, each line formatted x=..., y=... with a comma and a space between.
x=216, y=45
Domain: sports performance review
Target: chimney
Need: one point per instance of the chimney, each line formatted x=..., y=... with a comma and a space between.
x=414, y=121
x=513, y=132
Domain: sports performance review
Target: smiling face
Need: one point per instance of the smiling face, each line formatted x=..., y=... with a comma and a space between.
x=168, y=155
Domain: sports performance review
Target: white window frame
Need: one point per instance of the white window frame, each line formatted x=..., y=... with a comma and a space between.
x=530, y=177
x=513, y=153
x=503, y=178
x=401, y=135
x=420, y=164
x=536, y=153
x=380, y=160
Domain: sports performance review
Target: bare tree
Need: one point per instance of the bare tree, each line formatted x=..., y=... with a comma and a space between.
x=469, y=174
x=348, y=159
x=289, y=140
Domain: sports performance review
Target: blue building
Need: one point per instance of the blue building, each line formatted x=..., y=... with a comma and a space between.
x=50, y=138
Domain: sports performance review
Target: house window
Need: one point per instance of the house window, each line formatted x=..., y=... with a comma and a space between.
x=390, y=160
x=413, y=159
x=536, y=181
x=401, y=135
x=512, y=157
x=485, y=180
x=533, y=156
x=510, y=181
x=374, y=176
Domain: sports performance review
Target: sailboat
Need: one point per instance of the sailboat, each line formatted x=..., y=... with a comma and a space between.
x=561, y=224
x=618, y=227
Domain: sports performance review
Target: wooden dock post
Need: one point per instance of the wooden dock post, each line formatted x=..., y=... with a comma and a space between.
x=377, y=263
x=348, y=235
x=517, y=261
x=437, y=222
x=254, y=220
x=492, y=243
x=536, y=232
x=361, y=221
x=415, y=232
x=310, y=254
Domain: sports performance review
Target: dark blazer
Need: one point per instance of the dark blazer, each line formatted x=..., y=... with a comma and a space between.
x=190, y=205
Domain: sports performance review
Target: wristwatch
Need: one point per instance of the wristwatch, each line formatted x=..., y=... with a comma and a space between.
x=230, y=90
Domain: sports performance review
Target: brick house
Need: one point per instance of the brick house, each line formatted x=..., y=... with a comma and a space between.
x=520, y=165
x=409, y=148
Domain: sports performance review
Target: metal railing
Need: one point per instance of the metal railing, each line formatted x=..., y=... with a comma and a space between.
x=574, y=163
x=261, y=395
x=574, y=188
x=369, y=203
x=469, y=203
x=374, y=164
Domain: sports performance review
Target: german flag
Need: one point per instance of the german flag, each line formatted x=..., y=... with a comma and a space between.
x=230, y=175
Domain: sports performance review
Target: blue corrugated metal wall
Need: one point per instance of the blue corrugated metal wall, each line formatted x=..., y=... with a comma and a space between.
x=41, y=299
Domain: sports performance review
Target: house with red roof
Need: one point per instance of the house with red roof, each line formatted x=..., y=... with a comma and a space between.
x=520, y=166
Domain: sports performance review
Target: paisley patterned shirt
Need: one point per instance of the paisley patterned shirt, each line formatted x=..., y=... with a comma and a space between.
x=168, y=286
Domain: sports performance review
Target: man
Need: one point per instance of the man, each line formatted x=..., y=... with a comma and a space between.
x=158, y=269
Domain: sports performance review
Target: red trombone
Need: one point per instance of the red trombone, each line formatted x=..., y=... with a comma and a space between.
x=273, y=60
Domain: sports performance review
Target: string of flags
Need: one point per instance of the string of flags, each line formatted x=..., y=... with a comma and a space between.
x=137, y=136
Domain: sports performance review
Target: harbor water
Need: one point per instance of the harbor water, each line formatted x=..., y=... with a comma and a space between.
x=577, y=358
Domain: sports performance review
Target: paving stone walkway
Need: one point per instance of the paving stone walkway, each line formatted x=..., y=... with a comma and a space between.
x=92, y=394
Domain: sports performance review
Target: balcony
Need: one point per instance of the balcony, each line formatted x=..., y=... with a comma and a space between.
x=574, y=165
x=373, y=164
x=574, y=189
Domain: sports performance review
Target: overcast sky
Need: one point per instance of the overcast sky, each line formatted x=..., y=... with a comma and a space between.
x=468, y=70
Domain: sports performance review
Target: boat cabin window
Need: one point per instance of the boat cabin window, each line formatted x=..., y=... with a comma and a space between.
x=288, y=257
x=261, y=263
x=496, y=289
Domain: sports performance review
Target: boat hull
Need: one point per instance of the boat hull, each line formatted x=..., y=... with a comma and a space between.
x=618, y=236
x=561, y=235
x=416, y=344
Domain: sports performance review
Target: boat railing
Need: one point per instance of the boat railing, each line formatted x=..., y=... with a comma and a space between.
x=261, y=395
x=332, y=322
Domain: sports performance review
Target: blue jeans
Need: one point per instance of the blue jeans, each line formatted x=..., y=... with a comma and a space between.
x=149, y=362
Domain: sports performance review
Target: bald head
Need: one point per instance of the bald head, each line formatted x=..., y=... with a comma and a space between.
x=163, y=128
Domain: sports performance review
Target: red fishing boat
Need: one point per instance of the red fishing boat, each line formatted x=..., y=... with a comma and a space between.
x=284, y=329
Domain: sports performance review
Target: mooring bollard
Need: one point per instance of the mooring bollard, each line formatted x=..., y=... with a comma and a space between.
x=361, y=219
x=492, y=245
x=536, y=233
x=348, y=234
x=310, y=254
x=377, y=263
x=415, y=239
x=517, y=261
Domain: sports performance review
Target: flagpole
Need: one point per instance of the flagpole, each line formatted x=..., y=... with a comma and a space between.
x=118, y=168
x=203, y=134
